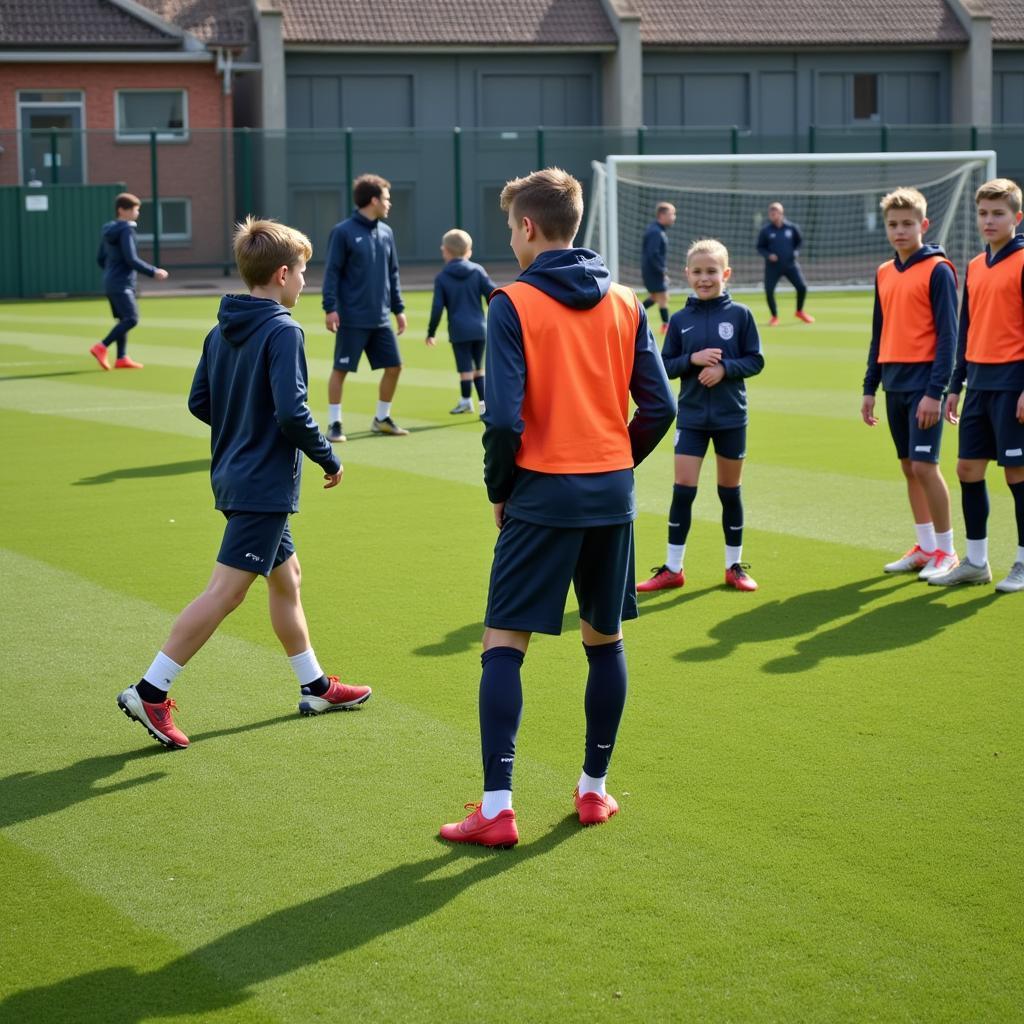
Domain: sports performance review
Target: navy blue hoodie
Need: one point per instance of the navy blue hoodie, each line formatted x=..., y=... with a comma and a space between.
x=654, y=253
x=932, y=377
x=713, y=323
x=119, y=258
x=578, y=279
x=783, y=242
x=361, y=277
x=459, y=288
x=251, y=387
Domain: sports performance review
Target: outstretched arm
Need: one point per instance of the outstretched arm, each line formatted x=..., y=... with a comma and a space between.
x=652, y=393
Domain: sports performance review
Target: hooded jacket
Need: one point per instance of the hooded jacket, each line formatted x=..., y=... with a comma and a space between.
x=578, y=280
x=251, y=387
x=459, y=288
x=654, y=254
x=783, y=241
x=119, y=257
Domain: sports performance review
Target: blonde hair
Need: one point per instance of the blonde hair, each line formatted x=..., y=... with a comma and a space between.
x=261, y=246
x=457, y=242
x=709, y=247
x=551, y=198
x=905, y=199
x=1001, y=188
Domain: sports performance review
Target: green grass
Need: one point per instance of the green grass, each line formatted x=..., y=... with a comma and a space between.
x=820, y=782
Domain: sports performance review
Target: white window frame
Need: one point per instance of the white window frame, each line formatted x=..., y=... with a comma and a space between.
x=170, y=238
x=123, y=135
x=22, y=104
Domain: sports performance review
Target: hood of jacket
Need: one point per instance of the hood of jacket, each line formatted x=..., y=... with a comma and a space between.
x=695, y=305
x=241, y=316
x=460, y=269
x=577, y=278
x=113, y=230
x=925, y=252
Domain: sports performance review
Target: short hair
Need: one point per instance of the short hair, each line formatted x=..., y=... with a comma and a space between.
x=1001, y=188
x=664, y=208
x=774, y=203
x=457, y=241
x=551, y=198
x=709, y=247
x=261, y=246
x=368, y=187
x=905, y=199
x=126, y=201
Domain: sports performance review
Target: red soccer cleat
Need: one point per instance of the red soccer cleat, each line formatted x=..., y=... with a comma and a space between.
x=593, y=808
x=736, y=577
x=806, y=317
x=774, y=322
x=156, y=719
x=339, y=697
x=663, y=579
x=664, y=328
x=99, y=353
x=500, y=830
x=127, y=363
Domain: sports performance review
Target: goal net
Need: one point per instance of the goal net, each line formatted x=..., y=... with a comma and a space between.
x=832, y=197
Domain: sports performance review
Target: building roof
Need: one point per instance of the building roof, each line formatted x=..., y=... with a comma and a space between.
x=213, y=22
x=732, y=23
x=445, y=23
x=1007, y=20
x=56, y=24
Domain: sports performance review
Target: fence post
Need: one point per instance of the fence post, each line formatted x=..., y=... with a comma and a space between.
x=348, y=164
x=885, y=138
x=154, y=188
x=457, y=155
x=247, y=171
x=640, y=133
x=540, y=147
x=810, y=139
x=974, y=136
x=735, y=139
x=54, y=170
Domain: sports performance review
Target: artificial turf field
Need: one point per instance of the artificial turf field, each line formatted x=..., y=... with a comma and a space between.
x=820, y=782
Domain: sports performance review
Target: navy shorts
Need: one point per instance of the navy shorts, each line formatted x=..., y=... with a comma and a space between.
x=124, y=305
x=911, y=441
x=469, y=355
x=379, y=344
x=256, y=541
x=533, y=566
x=655, y=281
x=730, y=444
x=989, y=428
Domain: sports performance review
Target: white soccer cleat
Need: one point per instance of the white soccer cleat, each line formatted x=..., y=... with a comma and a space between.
x=941, y=562
x=965, y=572
x=913, y=561
x=1014, y=579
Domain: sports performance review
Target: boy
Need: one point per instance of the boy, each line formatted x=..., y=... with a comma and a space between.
x=654, y=260
x=565, y=350
x=913, y=338
x=360, y=290
x=779, y=244
x=120, y=261
x=459, y=289
x=990, y=356
x=251, y=387
x=712, y=347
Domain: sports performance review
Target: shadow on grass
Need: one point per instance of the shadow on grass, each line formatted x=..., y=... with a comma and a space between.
x=40, y=376
x=219, y=974
x=145, y=472
x=363, y=435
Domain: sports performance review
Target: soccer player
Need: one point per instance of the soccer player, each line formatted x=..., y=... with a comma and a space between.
x=712, y=347
x=654, y=260
x=779, y=244
x=121, y=264
x=913, y=340
x=360, y=291
x=565, y=350
x=460, y=288
x=251, y=387
x=990, y=357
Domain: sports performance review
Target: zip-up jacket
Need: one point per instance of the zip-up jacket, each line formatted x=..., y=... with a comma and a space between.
x=119, y=257
x=913, y=329
x=713, y=323
x=251, y=387
x=783, y=242
x=361, y=277
x=594, y=370
x=459, y=289
x=654, y=252
x=990, y=349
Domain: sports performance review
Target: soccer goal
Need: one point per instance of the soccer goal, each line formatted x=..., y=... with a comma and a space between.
x=832, y=197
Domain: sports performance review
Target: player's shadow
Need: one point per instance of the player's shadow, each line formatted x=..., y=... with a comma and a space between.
x=221, y=973
x=460, y=421
x=794, y=616
x=40, y=376
x=888, y=629
x=146, y=472
x=468, y=637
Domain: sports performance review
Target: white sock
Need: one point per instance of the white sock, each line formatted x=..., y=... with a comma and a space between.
x=674, y=557
x=162, y=672
x=944, y=541
x=733, y=555
x=1020, y=555
x=306, y=668
x=383, y=410
x=925, y=536
x=495, y=801
x=588, y=784
x=334, y=413
x=977, y=551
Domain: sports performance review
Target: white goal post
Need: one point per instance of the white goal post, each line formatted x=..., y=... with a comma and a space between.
x=832, y=197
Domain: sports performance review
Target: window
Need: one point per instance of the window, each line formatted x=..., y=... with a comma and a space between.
x=174, y=217
x=865, y=97
x=164, y=111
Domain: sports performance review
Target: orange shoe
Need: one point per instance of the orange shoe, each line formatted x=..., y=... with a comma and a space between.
x=664, y=328
x=736, y=577
x=774, y=322
x=663, y=579
x=593, y=808
x=99, y=353
x=806, y=317
x=156, y=719
x=339, y=697
x=127, y=363
x=500, y=830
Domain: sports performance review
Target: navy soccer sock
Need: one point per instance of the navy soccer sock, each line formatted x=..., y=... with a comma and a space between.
x=603, y=703
x=478, y=382
x=663, y=310
x=769, y=295
x=465, y=388
x=732, y=515
x=501, y=709
x=974, y=501
x=801, y=294
x=1017, y=490
x=149, y=693
x=648, y=302
x=680, y=513
x=317, y=688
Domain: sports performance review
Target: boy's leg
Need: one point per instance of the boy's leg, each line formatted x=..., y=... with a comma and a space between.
x=1014, y=580
x=730, y=451
x=975, y=505
x=125, y=308
x=661, y=298
x=795, y=277
x=478, y=371
x=464, y=365
x=335, y=386
x=690, y=447
x=501, y=711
